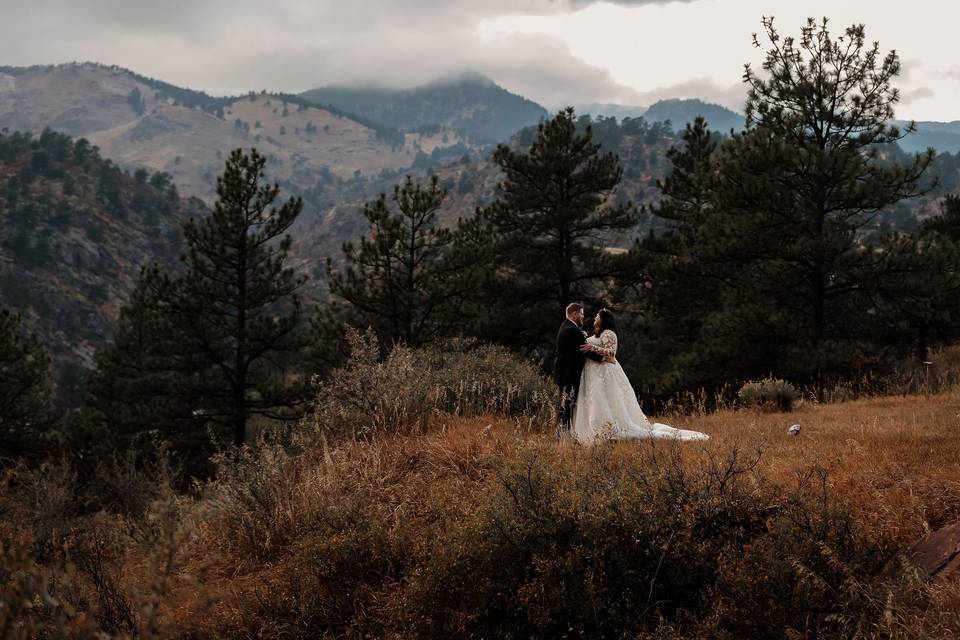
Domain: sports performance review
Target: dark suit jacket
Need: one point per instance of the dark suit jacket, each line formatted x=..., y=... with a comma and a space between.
x=569, y=361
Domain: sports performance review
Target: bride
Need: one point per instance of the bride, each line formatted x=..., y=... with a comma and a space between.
x=607, y=407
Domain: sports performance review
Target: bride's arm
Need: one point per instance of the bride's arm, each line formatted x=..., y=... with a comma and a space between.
x=608, y=346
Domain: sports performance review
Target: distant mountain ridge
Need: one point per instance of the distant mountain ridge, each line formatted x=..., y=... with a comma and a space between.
x=142, y=122
x=942, y=136
x=618, y=111
x=471, y=105
x=682, y=111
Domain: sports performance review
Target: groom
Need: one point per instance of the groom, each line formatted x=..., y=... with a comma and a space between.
x=569, y=364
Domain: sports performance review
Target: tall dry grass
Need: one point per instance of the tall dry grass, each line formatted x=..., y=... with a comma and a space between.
x=369, y=537
x=475, y=525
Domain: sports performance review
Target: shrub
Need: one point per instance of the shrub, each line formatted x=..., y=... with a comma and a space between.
x=615, y=549
x=367, y=396
x=340, y=572
x=250, y=497
x=477, y=378
x=32, y=601
x=44, y=500
x=403, y=392
x=769, y=393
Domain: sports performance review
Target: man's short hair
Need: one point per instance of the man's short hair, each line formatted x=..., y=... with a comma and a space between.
x=573, y=307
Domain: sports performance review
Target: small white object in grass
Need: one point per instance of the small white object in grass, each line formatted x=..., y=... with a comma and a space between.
x=794, y=430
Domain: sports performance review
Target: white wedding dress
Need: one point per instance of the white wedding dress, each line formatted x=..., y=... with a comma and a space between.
x=606, y=406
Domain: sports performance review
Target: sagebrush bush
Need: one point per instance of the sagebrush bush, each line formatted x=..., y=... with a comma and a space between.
x=475, y=378
x=403, y=392
x=612, y=550
x=45, y=500
x=251, y=496
x=339, y=571
x=768, y=393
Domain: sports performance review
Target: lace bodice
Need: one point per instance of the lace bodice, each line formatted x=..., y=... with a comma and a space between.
x=605, y=345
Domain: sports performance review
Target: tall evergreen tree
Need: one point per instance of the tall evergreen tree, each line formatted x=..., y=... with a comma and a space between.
x=24, y=388
x=216, y=339
x=135, y=386
x=410, y=278
x=550, y=225
x=793, y=197
x=922, y=296
x=684, y=285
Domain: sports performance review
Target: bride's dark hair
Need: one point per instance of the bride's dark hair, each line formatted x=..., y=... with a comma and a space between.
x=607, y=321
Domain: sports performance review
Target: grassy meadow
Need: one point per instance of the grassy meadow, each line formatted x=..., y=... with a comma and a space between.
x=479, y=524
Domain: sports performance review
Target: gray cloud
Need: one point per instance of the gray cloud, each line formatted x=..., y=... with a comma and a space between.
x=908, y=68
x=916, y=94
x=231, y=46
x=952, y=73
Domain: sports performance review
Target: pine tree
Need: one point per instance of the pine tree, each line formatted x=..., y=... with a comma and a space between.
x=684, y=283
x=410, y=278
x=24, y=390
x=793, y=198
x=922, y=295
x=213, y=343
x=549, y=228
x=947, y=223
x=135, y=386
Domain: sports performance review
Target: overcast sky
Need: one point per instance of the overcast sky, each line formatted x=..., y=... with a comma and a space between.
x=553, y=51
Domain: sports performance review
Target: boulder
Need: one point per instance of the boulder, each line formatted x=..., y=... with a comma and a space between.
x=939, y=552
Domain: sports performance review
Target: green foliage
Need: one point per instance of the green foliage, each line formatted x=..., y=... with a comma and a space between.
x=212, y=343
x=682, y=289
x=136, y=101
x=547, y=228
x=947, y=223
x=24, y=387
x=410, y=278
x=769, y=260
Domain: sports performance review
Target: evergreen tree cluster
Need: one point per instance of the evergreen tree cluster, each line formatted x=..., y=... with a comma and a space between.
x=209, y=346
x=60, y=202
x=24, y=388
x=768, y=263
x=771, y=251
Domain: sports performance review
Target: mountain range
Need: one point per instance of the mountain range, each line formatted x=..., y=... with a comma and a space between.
x=470, y=105
x=942, y=136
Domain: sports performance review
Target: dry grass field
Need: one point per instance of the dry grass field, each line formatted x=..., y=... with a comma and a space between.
x=895, y=461
x=402, y=536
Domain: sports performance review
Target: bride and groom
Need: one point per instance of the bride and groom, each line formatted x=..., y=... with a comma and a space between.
x=597, y=400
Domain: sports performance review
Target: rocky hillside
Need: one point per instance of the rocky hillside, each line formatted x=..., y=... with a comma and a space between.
x=74, y=232
x=141, y=122
x=470, y=106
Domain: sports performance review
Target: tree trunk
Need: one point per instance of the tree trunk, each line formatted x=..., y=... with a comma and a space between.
x=240, y=383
